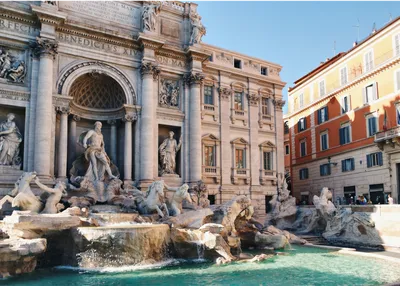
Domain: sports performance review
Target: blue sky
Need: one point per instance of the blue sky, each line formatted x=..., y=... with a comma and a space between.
x=296, y=35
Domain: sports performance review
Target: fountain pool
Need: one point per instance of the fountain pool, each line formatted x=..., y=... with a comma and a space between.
x=301, y=266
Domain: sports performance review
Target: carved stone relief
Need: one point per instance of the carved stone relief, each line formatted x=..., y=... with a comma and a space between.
x=12, y=65
x=225, y=58
x=169, y=93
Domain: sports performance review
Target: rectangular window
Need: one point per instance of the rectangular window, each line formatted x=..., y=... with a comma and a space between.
x=237, y=63
x=372, y=125
x=265, y=105
x=209, y=154
x=267, y=160
x=301, y=100
x=345, y=104
x=322, y=88
x=370, y=93
x=398, y=114
x=208, y=95
x=344, y=134
x=324, y=141
x=343, y=75
x=303, y=174
x=302, y=124
x=287, y=149
x=238, y=101
x=374, y=159
x=397, y=81
x=368, y=61
x=303, y=148
x=348, y=165
x=264, y=71
x=397, y=44
x=325, y=170
x=211, y=198
x=240, y=159
x=322, y=114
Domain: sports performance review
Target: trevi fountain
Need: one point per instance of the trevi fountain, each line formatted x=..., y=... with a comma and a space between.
x=123, y=159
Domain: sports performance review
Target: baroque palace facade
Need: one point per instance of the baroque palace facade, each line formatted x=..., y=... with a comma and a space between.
x=140, y=69
x=343, y=122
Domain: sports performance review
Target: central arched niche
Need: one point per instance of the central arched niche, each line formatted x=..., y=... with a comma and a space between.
x=97, y=91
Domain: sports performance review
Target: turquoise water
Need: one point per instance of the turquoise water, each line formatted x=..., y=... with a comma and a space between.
x=302, y=266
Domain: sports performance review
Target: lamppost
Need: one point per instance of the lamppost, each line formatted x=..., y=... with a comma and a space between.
x=333, y=180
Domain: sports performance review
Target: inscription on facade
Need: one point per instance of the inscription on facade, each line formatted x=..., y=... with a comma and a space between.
x=171, y=62
x=97, y=45
x=110, y=11
x=170, y=28
x=6, y=24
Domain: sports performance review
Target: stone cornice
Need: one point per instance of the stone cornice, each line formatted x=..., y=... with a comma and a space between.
x=99, y=36
x=175, y=54
x=149, y=68
x=17, y=15
x=197, y=55
x=149, y=43
x=49, y=16
x=43, y=46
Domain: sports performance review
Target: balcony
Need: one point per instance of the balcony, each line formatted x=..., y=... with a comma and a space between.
x=240, y=176
x=388, y=137
x=213, y=173
x=209, y=109
x=268, y=176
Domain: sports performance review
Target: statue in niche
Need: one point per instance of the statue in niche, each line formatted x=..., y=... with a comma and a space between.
x=169, y=94
x=198, y=30
x=168, y=150
x=149, y=16
x=11, y=68
x=10, y=138
x=95, y=153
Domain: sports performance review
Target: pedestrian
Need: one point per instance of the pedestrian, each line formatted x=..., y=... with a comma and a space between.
x=390, y=200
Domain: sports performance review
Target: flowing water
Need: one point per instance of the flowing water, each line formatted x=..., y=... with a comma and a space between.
x=300, y=266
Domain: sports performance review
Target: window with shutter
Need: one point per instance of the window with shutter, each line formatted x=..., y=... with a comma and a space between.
x=344, y=134
x=398, y=114
x=343, y=75
x=303, y=149
x=348, y=165
x=372, y=125
x=397, y=81
x=368, y=61
x=301, y=100
x=325, y=169
x=374, y=159
x=322, y=88
x=324, y=141
x=397, y=44
x=369, y=93
x=345, y=104
x=303, y=174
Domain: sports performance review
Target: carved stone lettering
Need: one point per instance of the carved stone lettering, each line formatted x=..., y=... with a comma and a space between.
x=110, y=11
x=6, y=24
x=171, y=62
x=170, y=28
x=96, y=45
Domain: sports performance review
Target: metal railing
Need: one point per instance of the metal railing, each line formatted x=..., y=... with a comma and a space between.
x=388, y=134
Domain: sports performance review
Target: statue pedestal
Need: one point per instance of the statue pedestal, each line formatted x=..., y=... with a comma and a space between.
x=172, y=180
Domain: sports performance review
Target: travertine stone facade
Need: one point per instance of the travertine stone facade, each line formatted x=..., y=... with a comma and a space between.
x=141, y=69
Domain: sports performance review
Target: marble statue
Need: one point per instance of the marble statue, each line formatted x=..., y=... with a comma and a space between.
x=181, y=193
x=12, y=68
x=149, y=16
x=169, y=94
x=52, y=205
x=198, y=30
x=10, y=139
x=168, y=150
x=18, y=73
x=24, y=199
x=153, y=200
x=95, y=153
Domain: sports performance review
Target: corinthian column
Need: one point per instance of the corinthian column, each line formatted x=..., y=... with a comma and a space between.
x=128, y=147
x=46, y=49
x=195, y=80
x=63, y=143
x=149, y=74
x=113, y=141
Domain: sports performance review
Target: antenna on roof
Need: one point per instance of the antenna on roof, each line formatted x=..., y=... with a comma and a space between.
x=358, y=29
x=334, y=48
x=390, y=17
x=373, y=28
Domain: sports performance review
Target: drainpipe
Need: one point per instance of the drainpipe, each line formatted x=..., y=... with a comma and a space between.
x=276, y=143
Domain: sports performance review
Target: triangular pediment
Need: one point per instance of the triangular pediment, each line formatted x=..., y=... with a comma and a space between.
x=240, y=141
x=268, y=144
x=209, y=137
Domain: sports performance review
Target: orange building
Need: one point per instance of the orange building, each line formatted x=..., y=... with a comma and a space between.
x=344, y=123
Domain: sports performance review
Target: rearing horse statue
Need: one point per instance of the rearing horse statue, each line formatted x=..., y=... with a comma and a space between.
x=153, y=201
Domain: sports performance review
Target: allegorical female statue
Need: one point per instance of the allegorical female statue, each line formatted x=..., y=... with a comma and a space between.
x=10, y=138
x=198, y=30
x=168, y=150
x=149, y=16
